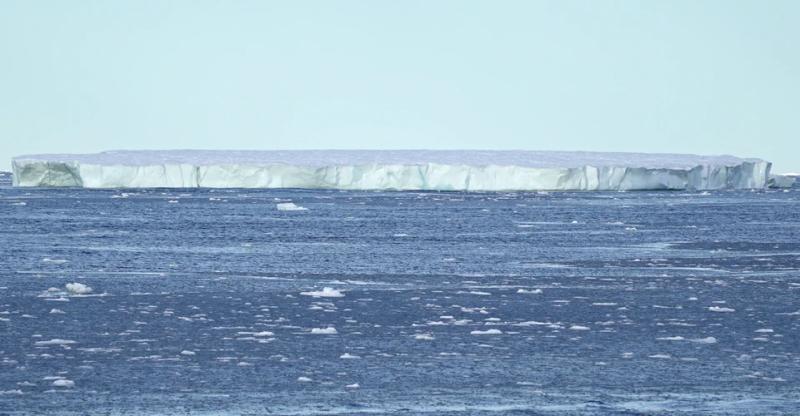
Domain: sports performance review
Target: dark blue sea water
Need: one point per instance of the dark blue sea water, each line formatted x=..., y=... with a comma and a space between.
x=452, y=303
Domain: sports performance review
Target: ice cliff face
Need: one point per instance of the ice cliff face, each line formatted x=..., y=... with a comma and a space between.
x=781, y=181
x=400, y=170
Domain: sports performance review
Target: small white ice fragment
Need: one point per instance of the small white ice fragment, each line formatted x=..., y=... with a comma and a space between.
x=706, y=340
x=720, y=309
x=63, y=383
x=530, y=291
x=187, y=352
x=348, y=356
x=662, y=356
x=327, y=292
x=55, y=341
x=487, y=332
x=579, y=328
x=302, y=379
x=424, y=337
x=290, y=206
x=324, y=331
x=78, y=288
x=352, y=386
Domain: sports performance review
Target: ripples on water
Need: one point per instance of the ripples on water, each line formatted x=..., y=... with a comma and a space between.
x=213, y=301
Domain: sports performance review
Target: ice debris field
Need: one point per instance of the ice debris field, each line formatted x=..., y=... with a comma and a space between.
x=452, y=170
x=224, y=302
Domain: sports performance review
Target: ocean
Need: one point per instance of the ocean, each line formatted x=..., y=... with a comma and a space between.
x=217, y=302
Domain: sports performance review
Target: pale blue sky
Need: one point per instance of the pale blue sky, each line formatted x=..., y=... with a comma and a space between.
x=705, y=77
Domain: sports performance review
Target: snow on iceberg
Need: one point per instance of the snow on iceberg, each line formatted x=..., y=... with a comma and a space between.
x=456, y=170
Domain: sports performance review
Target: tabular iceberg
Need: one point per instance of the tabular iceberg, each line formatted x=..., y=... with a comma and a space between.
x=457, y=170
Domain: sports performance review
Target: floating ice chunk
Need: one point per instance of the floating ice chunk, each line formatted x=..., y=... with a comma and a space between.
x=327, y=292
x=530, y=291
x=78, y=288
x=579, y=328
x=55, y=341
x=660, y=356
x=720, y=309
x=348, y=356
x=302, y=379
x=256, y=334
x=706, y=340
x=424, y=337
x=352, y=386
x=677, y=338
x=324, y=331
x=492, y=331
x=781, y=181
x=56, y=311
x=62, y=382
x=290, y=206
x=187, y=352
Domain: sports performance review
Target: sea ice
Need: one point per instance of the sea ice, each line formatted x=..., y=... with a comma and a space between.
x=289, y=206
x=78, y=288
x=324, y=331
x=487, y=332
x=720, y=309
x=55, y=341
x=62, y=382
x=327, y=292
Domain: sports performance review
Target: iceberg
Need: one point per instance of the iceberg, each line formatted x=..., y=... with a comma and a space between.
x=782, y=181
x=449, y=170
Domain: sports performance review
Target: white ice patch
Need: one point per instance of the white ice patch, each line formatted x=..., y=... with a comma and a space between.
x=63, y=383
x=677, y=338
x=348, y=356
x=54, y=341
x=487, y=332
x=720, y=309
x=187, y=352
x=706, y=340
x=327, y=292
x=256, y=334
x=324, y=331
x=530, y=291
x=78, y=289
x=290, y=206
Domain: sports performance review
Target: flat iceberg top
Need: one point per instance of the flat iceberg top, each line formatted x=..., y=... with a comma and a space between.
x=321, y=158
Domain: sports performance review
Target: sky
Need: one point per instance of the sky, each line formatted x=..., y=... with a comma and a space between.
x=689, y=76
